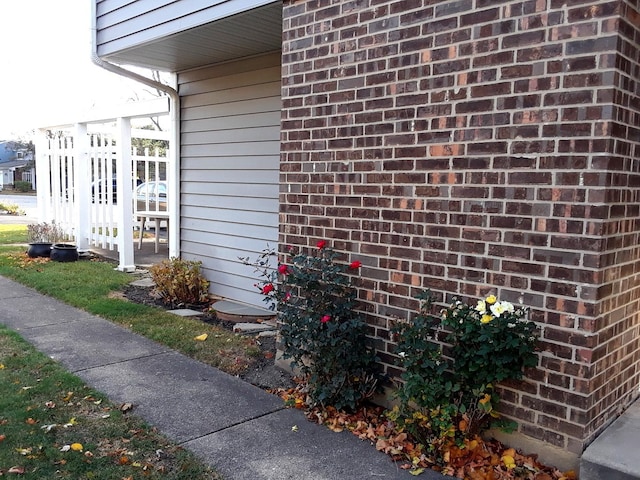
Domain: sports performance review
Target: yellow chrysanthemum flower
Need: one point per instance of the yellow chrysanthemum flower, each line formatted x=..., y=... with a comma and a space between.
x=491, y=299
x=486, y=319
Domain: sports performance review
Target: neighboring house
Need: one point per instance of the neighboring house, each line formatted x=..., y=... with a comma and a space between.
x=462, y=146
x=12, y=161
x=8, y=172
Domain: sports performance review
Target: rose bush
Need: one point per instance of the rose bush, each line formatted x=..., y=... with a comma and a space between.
x=321, y=331
x=452, y=364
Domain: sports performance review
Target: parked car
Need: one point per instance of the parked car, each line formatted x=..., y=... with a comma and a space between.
x=98, y=196
x=151, y=196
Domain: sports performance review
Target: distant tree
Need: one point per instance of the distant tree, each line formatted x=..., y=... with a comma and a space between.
x=159, y=77
x=26, y=147
x=141, y=143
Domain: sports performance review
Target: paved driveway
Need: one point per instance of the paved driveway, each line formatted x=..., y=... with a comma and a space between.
x=28, y=203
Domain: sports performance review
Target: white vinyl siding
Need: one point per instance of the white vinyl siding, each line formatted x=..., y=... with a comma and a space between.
x=230, y=154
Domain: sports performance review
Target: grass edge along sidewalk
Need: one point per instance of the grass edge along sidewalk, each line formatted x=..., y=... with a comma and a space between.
x=93, y=285
x=53, y=426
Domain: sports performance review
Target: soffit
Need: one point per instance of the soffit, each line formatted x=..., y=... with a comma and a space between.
x=245, y=34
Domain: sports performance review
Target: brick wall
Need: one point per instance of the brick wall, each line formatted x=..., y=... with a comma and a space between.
x=616, y=357
x=477, y=146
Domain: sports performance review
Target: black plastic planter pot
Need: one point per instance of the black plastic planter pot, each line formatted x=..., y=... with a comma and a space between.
x=64, y=252
x=39, y=249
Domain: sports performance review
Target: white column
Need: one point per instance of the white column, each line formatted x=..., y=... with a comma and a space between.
x=124, y=176
x=173, y=176
x=82, y=191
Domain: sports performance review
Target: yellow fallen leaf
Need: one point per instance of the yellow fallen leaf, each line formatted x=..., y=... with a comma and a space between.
x=76, y=447
x=201, y=338
x=2, y=367
x=508, y=461
x=68, y=397
x=417, y=471
x=294, y=428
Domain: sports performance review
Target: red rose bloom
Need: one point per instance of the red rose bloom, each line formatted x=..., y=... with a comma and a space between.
x=267, y=288
x=321, y=244
x=356, y=264
x=283, y=269
x=325, y=319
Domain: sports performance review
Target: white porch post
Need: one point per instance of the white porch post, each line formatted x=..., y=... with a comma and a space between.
x=81, y=186
x=173, y=175
x=43, y=177
x=124, y=176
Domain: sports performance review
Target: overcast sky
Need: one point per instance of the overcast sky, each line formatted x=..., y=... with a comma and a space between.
x=46, y=73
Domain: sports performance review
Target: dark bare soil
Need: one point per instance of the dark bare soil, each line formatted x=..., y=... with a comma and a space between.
x=262, y=373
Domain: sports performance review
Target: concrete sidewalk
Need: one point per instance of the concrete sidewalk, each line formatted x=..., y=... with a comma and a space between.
x=242, y=431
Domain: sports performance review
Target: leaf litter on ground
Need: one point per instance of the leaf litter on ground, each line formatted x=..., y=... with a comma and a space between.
x=478, y=459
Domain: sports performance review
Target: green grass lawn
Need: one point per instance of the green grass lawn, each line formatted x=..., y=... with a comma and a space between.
x=13, y=234
x=52, y=426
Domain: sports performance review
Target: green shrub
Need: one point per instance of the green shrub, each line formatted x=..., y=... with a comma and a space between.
x=321, y=332
x=22, y=186
x=180, y=282
x=452, y=364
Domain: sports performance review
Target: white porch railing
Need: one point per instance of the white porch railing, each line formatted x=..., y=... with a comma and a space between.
x=87, y=174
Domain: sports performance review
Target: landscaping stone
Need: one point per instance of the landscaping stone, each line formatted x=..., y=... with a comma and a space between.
x=143, y=282
x=248, y=328
x=268, y=333
x=185, y=312
x=237, y=312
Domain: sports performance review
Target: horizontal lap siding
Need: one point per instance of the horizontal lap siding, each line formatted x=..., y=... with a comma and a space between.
x=229, y=170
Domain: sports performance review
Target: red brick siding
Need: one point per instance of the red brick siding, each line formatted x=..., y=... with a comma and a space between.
x=473, y=147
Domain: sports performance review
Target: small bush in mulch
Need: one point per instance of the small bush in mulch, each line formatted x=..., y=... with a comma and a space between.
x=180, y=282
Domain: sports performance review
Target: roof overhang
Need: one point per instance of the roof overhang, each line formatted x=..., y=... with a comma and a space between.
x=245, y=34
